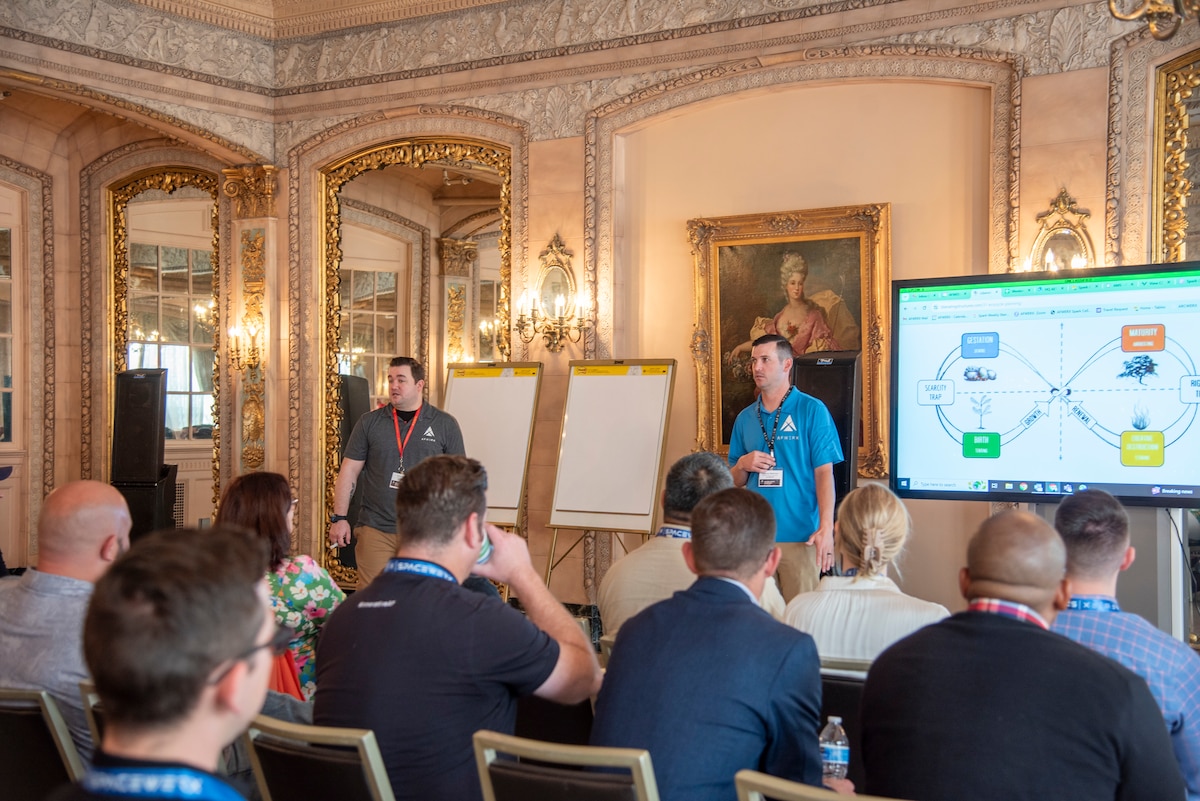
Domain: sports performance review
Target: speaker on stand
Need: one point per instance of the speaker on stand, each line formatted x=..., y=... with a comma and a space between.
x=354, y=400
x=139, y=449
x=835, y=379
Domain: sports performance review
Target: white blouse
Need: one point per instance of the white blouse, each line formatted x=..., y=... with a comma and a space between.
x=858, y=617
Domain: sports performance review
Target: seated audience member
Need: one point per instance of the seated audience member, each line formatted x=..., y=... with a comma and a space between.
x=857, y=615
x=179, y=637
x=1095, y=529
x=83, y=526
x=706, y=680
x=989, y=705
x=302, y=592
x=656, y=570
x=426, y=663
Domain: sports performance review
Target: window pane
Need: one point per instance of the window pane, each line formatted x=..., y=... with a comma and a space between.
x=177, y=358
x=6, y=399
x=143, y=318
x=5, y=253
x=385, y=292
x=6, y=366
x=176, y=320
x=201, y=272
x=363, y=333
x=143, y=268
x=141, y=355
x=202, y=416
x=202, y=370
x=364, y=290
x=344, y=334
x=178, y=413
x=361, y=366
x=385, y=333
x=6, y=307
x=381, y=371
x=174, y=269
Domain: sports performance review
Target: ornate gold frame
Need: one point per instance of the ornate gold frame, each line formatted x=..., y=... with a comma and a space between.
x=1057, y=221
x=1174, y=84
x=165, y=179
x=412, y=152
x=871, y=224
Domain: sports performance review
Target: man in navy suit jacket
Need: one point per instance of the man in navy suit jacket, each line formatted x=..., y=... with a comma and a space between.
x=707, y=681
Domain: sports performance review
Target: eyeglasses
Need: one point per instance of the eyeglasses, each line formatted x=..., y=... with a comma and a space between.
x=278, y=644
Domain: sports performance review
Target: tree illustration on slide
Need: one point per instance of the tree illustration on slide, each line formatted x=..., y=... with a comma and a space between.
x=1139, y=367
x=983, y=407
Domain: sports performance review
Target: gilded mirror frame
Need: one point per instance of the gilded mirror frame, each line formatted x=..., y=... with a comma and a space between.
x=409, y=152
x=1175, y=83
x=1063, y=218
x=166, y=179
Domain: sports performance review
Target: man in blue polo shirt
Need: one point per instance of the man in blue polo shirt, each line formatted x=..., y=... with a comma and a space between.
x=1095, y=529
x=784, y=447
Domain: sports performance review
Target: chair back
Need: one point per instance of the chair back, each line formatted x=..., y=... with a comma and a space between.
x=754, y=786
x=553, y=771
x=36, y=751
x=841, y=695
x=92, y=710
x=540, y=719
x=299, y=762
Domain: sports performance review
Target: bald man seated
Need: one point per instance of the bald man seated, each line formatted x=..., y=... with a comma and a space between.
x=83, y=527
x=989, y=705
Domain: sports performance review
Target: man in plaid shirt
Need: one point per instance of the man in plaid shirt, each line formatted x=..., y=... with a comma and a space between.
x=1095, y=528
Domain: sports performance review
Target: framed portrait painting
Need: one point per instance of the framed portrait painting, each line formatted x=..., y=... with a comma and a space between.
x=819, y=277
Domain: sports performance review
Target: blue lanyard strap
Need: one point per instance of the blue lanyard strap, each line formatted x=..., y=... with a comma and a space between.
x=419, y=567
x=1093, y=603
x=674, y=533
x=173, y=782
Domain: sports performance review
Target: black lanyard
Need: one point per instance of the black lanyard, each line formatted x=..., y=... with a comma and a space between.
x=775, y=428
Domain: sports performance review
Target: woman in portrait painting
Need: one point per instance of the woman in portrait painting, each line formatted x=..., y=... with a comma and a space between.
x=803, y=320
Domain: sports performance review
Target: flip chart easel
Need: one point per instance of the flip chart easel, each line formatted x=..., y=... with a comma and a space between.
x=495, y=405
x=610, y=451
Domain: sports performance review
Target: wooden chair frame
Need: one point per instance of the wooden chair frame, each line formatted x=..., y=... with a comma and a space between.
x=755, y=786
x=362, y=740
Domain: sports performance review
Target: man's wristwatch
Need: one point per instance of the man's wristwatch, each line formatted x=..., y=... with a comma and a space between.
x=337, y=518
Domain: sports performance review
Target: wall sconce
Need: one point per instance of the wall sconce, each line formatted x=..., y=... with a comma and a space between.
x=1062, y=241
x=1163, y=19
x=555, y=290
x=245, y=354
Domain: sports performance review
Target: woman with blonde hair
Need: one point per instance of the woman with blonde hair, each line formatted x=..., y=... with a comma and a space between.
x=859, y=614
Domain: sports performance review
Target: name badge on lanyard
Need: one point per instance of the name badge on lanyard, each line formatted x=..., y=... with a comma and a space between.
x=774, y=476
x=398, y=476
x=770, y=478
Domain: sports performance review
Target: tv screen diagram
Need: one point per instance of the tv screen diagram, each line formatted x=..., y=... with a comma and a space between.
x=1030, y=387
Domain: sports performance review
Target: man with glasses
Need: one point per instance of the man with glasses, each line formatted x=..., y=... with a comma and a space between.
x=179, y=637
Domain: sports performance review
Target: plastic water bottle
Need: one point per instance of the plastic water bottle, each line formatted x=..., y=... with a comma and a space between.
x=835, y=749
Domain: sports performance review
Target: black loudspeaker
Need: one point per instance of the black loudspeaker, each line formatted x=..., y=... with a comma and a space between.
x=139, y=426
x=835, y=378
x=354, y=400
x=151, y=504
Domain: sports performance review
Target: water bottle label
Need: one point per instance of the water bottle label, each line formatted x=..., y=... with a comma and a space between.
x=836, y=754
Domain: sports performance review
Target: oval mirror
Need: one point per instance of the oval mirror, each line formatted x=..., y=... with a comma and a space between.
x=556, y=284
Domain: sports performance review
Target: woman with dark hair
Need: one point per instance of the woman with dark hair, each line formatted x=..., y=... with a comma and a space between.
x=302, y=592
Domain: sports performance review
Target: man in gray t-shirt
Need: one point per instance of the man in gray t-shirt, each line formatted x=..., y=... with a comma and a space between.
x=383, y=445
x=82, y=528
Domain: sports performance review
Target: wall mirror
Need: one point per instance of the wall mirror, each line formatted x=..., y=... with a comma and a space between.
x=556, y=290
x=386, y=293
x=1175, y=222
x=165, y=256
x=1062, y=240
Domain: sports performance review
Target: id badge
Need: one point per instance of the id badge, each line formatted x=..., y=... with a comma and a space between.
x=770, y=478
x=397, y=477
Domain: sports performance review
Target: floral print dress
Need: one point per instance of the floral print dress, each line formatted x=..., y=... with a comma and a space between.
x=303, y=595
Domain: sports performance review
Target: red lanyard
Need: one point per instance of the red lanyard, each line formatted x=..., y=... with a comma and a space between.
x=396, y=422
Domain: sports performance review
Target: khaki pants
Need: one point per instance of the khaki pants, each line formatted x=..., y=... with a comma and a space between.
x=797, y=571
x=372, y=550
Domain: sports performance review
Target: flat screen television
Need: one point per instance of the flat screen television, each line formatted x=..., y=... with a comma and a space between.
x=1032, y=386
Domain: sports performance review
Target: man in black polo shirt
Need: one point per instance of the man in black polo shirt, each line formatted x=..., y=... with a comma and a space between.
x=425, y=663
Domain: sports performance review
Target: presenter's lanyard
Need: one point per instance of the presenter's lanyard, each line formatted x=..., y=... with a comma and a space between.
x=412, y=424
x=175, y=782
x=419, y=567
x=775, y=428
x=674, y=533
x=1080, y=603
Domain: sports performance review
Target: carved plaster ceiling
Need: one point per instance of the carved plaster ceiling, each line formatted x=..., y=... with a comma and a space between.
x=282, y=19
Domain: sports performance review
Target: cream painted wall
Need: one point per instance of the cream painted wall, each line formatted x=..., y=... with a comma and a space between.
x=801, y=148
